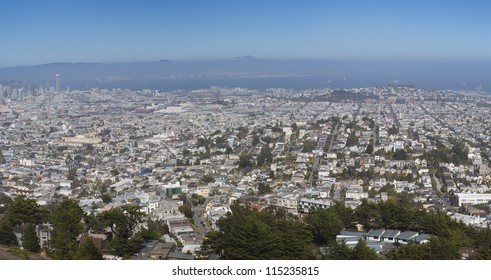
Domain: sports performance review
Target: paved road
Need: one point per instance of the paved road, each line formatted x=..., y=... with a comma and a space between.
x=198, y=220
x=357, y=112
x=394, y=116
x=315, y=167
x=438, y=184
x=334, y=135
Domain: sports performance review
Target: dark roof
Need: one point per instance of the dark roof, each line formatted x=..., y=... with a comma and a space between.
x=375, y=232
x=407, y=235
x=20, y=229
x=162, y=249
x=348, y=240
x=179, y=256
x=422, y=237
x=391, y=233
x=346, y=233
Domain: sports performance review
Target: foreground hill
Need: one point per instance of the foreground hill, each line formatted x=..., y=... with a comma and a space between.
x=7, y=253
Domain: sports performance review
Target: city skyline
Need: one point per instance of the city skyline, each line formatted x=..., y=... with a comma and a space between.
x=125, y=31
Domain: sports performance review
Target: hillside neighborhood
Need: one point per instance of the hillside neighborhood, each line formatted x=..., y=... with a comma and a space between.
x=185, y=158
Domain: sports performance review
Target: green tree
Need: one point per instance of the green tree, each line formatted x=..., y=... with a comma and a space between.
x=186, y=210
x=24, y=211
x=393, y=130
x=363, y=252
x=123, y=221
x=5, y=201
x=106, y=198
x=395, y=215
x=7, y=236
x=186, y=153
x=2, y=158
x=338, y=251
x=400, y=154
x=242, y=132
x=78, y=158
x=341, y=251
x=88, y=250
x=437, y=249
x=211, y=245
x=154, y=230
x=125, y=247
x=325, y=225
x=93, y=223
x=369, y=149
x=482, y=253
x=352, y=140
x=183, y=197
x=245, y=161
x=30, y=241
x=367, y=214
x=264, y=156
x=270, y=234
x=197, y=199
x=345, y=213
x=67, y=226
x=255, y=140
x=410, y=251
x=264, y=188
x=207, y=179
x=308, y=146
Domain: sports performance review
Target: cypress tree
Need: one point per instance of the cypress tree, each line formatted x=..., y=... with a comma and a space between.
x=88, y=250
x=30, y=241
x=7, y=236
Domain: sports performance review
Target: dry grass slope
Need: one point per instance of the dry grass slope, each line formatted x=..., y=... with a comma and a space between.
x=9, y=253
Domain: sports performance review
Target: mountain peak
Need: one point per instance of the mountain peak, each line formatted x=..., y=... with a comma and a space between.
x=247, y=57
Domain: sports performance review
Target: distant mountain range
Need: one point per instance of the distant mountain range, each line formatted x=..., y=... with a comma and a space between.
x=419, y=73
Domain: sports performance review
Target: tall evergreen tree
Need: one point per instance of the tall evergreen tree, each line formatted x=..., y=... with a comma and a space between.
x=67, y=225
x=88, y=250
x=341, y=251
x=30, y=241
x=23, y=211
x=123, y=221
x=267, y=235
x=345, y=213
x=2, y=158
x=7, y=236
x=325, y=225
x=338, y=251
x=363, y=252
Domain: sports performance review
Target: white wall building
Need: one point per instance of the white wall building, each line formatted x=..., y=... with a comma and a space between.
x=473, y=198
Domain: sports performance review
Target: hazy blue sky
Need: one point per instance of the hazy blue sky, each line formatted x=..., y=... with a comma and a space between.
x=36, y=32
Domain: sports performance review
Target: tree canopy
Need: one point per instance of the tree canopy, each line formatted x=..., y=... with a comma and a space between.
x=88, y=250
x=123, y=221
x=30, y=241
x=325, y=225
x=250, y=235
x=67, y=226
x=24, y=211
x=2, y=158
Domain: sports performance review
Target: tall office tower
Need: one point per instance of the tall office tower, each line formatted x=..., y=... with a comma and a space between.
x=58, y=83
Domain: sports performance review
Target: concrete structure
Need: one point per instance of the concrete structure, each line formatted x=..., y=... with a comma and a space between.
x=473, y=198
